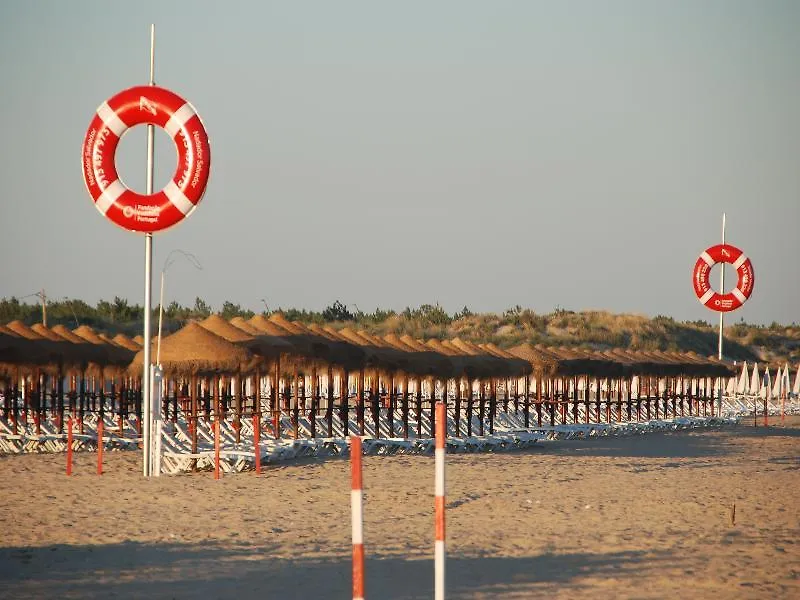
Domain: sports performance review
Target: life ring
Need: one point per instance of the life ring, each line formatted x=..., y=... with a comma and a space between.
x=723, y=253
x=155, y=106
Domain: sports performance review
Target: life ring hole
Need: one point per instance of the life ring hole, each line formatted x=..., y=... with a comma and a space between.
x=131, y=159
x=731, y=277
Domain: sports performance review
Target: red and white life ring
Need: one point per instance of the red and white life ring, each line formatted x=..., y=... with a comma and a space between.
x=136, y=106
x=723, y=253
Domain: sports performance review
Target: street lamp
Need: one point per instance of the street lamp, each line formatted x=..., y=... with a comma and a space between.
x=41, y=295
x=266, y=307
x=68, y=302
x=167, y=262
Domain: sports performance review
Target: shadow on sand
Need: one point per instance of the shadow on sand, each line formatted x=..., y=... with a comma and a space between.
x=133, y=570
x=679, y=444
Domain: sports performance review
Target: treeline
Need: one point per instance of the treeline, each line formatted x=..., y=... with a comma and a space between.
x=590, y=329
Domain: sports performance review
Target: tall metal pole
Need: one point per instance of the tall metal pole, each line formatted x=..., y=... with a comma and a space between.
x=160, y=316
x=721, y=317
x=148, y=288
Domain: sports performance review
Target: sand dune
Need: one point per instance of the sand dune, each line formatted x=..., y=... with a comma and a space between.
x=637, y=517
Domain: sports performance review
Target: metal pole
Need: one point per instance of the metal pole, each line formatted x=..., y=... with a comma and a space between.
x=148, y=285
x=721, y=318
x=160, y=314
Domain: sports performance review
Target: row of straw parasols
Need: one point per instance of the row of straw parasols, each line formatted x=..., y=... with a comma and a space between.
x=239, y=346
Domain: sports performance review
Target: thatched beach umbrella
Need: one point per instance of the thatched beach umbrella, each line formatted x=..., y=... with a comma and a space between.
x=244, y=325
x=46, y=333
x=23, y=330
x=194, y=350
x=122, y=340
x=221, y=327
x=114, y=355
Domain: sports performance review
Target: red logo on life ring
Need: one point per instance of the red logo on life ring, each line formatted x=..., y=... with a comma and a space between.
x=155, y=106
x=723, y=253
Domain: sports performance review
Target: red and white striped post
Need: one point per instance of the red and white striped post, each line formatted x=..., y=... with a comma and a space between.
x=100, y=446
x=69, y=446
x=257, y=441
x=439, y=546
x=357, y=517
x=216, y=448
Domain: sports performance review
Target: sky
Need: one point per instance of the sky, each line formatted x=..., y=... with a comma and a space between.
x=564, y=154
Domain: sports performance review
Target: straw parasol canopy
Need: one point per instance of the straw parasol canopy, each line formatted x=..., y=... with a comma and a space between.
x=194, y=350
x=542, y=362
x=266, y=346
x=111, y=354
x=264, y=325
x=23, y=330
x=46, y=333
x=17, y=351
x=24, y=347
x=124, y=341
x=67, y=334
x=218, y=325
x=240, y=323
x=309, y=345
x=90, y=335
x=282, y=322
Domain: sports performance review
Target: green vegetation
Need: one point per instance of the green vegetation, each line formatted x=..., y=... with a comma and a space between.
x=589, y=329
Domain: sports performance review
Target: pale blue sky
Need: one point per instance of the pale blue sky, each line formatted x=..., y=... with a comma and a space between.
x=572, y=154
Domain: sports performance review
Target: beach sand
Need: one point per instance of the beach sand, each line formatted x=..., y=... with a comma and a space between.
x=635, y=517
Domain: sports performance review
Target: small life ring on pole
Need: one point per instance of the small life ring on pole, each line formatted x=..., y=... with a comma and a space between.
x=723, y=253
x=130, y=210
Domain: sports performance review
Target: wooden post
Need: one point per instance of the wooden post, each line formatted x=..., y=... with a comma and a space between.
x=331, y=400
x=100, y=444
x=374, y=401
x=418, y=386
x=69, y=446
x=274, y=398
x=15, y=401
x=470, y=404
x=314, y=401
x=390, y=408
x=360, y=403
x=404, y=407
x=236, y=389
x=492, y=404
x=457, y=407
x=60, y=398
x=81, y=401
x=481, y=405
x=433, y=406
x=193, y=421
x=257, y=441
x=298, y=393
x=598, y=400
x=526, y=403
x=344, y=401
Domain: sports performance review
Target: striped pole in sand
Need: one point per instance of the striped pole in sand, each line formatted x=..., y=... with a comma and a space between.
x=439, y=547
x=357, y=517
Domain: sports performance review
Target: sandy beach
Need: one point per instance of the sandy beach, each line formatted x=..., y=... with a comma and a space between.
x=633, y=517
